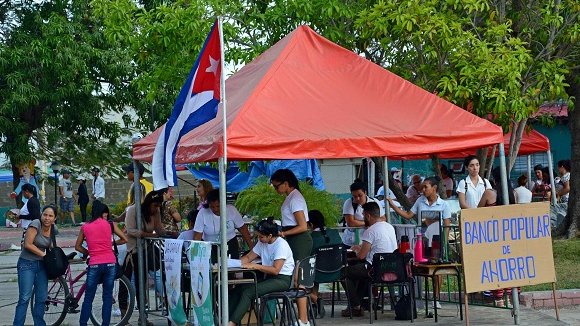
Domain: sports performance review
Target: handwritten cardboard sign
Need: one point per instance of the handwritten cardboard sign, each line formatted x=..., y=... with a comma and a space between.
x=507, y=246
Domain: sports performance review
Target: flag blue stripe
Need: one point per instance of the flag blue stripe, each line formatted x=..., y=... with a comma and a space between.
x=179, y=106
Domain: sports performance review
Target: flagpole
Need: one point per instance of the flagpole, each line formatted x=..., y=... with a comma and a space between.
x=223, y=162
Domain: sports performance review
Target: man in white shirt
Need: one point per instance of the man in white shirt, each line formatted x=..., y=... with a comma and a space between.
x=352, y=212
x=98, y=186
x=380, y=237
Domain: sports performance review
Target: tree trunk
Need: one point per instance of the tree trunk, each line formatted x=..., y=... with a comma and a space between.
x=573, y=216
x=515, y=142
x=489, y=165
x=437, y=168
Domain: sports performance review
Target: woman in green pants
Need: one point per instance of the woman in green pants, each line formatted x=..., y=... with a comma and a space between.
x=294, y=225
x=277, y=265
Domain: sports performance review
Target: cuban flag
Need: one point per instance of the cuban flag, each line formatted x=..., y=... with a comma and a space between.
x=196, y=104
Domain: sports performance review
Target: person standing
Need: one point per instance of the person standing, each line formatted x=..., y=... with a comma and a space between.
x=67, y=200
x=294, y=224
x=31, y=209
x=31, y=271
x=447, y=181
x=471, y=189
x=98, y=185
x=563, y=189
x=152, y=227
x=414, y=190
x=83, y=197
x=146, y=186
x=522, y=194
x=102, y=267
x=203, y=188
x=170, y=217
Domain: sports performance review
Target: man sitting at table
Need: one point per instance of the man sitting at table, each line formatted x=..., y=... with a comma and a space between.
x=380, y=237
x=277, y=265
x=352, y=211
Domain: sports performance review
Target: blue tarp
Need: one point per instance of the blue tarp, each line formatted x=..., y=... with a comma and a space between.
x=238, y=181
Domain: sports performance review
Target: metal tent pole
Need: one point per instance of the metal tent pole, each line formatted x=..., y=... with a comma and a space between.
x=140, y=246
x=552, y=184
x=506, y=200
x=386, y=189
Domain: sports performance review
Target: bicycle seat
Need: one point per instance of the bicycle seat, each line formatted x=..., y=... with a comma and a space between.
x=71, y=256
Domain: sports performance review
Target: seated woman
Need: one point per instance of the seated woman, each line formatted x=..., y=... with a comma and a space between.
x=321, y=237
x=207, y=225
x=277, y=265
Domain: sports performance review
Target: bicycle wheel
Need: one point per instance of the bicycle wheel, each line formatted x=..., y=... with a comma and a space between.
x=56, y=304
x=117, y=319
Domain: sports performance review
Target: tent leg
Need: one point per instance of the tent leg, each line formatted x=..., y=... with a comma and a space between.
x=552, y=184
x=529, y=157
x=386, y=189
x=504, y=186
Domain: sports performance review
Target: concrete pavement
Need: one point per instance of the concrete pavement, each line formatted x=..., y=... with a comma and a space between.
x=449, y=315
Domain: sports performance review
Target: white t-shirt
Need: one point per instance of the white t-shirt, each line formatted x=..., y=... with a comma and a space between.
x=348, y=237
x=209, y=224
x=474, y=192
x=294, y=202
x=439, y=209
x=67, y=188
x=565, y=178
x=279, y=249
x=390, y=193
x=523, y=195
x=382, y=238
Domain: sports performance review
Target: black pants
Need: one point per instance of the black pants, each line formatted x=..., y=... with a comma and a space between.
x=83, y=208
x=357, y=282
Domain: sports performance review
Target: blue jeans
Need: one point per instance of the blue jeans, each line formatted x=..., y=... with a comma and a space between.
x=31, y=276
x=97, y=274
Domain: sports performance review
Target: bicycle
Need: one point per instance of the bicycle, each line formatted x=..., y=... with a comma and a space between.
x=62, y=299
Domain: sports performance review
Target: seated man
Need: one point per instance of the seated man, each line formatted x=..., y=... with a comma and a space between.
x=352, y=212
x=380, y=237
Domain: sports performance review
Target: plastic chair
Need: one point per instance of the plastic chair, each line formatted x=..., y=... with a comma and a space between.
x=392, y=269
x=330, y=268
x=304, y=274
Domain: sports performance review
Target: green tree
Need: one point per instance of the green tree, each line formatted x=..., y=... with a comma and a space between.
x=58, y=83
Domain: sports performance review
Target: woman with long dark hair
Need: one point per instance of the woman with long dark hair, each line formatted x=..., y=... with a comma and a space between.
x=31, y=271
x=151, y=227
x=294, y=224
x=102, y=268
x=277, y=266
x=471, y=189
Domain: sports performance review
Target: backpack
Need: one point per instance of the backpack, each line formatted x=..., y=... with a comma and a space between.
x=403, y=308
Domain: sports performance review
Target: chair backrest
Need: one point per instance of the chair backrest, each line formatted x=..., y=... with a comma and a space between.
x=391, y=267
x=305, y=271
x=330, y=261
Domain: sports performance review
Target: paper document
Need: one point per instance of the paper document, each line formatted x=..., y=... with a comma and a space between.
x=234, y=263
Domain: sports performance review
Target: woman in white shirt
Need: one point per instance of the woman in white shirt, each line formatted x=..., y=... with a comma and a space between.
x=207, y=225
x=522, y=193
x=294, y=224
x=277, y=265
x=564, y=170
x=470, y=189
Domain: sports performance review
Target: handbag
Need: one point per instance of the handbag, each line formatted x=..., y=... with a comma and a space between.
x=153, y=257
x=118, y=269
x=55, y=260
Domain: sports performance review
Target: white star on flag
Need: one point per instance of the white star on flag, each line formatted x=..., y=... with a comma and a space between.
x=213, y=65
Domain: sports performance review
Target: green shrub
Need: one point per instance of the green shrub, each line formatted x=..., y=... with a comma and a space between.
x=261, y=201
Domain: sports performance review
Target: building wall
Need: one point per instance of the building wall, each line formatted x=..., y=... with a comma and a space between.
x=115, y=190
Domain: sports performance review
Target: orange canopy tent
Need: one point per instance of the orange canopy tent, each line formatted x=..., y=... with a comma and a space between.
x=307, y=97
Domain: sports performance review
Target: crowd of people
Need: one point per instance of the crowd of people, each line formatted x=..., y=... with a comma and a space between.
x=279, y=245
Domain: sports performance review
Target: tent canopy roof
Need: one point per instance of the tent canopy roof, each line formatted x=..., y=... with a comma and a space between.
x=307, y=97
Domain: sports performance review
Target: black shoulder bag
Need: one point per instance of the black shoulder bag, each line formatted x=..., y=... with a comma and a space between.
x=55, y=260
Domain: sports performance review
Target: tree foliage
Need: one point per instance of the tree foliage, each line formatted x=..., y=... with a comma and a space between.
x=58, y=83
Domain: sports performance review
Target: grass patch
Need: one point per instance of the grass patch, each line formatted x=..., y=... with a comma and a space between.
x=566, y=262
